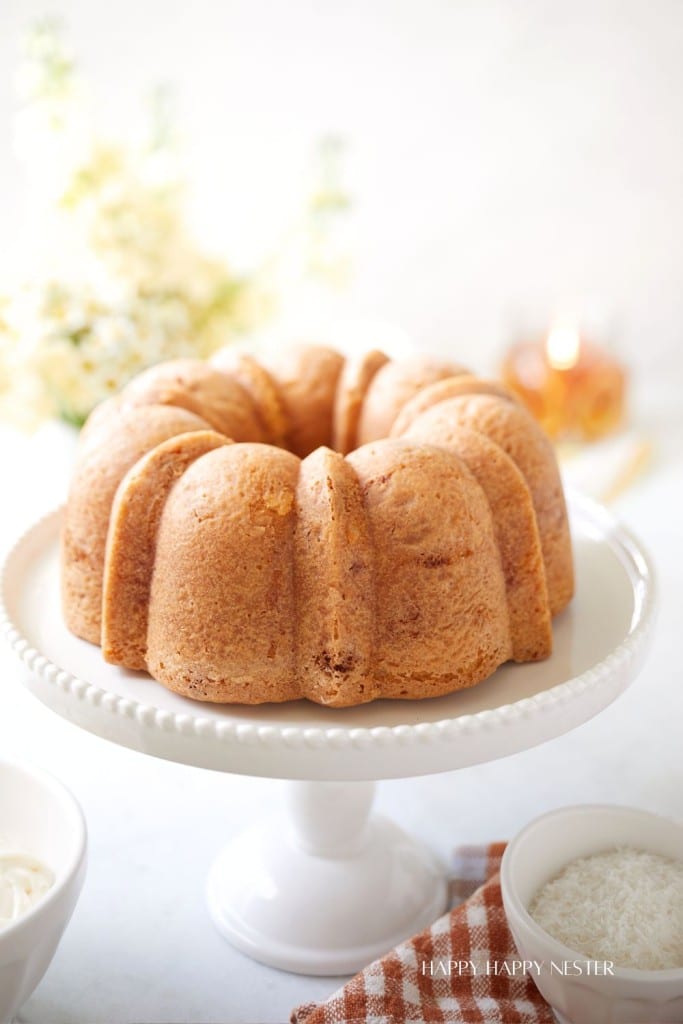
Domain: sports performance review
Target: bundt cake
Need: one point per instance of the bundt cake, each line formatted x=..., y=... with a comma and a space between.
x=320, y=527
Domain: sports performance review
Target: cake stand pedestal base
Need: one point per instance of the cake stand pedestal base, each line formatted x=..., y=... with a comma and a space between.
x=326, y=889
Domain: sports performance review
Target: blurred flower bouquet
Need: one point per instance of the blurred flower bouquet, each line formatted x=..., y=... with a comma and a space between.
x=117, y=282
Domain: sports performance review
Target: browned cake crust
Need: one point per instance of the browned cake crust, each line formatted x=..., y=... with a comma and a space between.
x=217, y=536
x=131, y=543
x=516, y=530
x=514, y=430
x=131, y=433
x=335, y=582
x=354, y=381
x=225, y=599
x=307, y=378
x=392, y=386
x=200, y=388
x=450, y=387
x=442, y=620
x=264, y=392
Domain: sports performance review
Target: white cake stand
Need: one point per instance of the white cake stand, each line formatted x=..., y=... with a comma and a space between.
x=328, y=887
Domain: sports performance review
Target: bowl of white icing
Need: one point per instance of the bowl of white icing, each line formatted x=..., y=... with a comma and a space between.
x=42, y=869
x=594, y=899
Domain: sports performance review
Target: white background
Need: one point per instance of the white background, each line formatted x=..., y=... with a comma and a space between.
x=503, y=157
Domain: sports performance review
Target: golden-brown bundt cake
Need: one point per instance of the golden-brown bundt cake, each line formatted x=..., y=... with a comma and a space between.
x=98, y=424
x=441, y=612
x=131, y=543
x=449, y=387
x=262, y=390
x=516, y=529
x=306, y=377
x=222, y=611
x=99, y=470
x=514, y=430
x=335, y=586
x=354, y=381
x=202, y=389
x=391, y=387
x=196, y=546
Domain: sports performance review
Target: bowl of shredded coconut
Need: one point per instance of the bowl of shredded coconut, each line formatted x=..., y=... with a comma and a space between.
x=594, y=899
x=42, y=869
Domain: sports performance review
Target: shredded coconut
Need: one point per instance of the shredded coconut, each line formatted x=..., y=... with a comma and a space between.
x=623, y=905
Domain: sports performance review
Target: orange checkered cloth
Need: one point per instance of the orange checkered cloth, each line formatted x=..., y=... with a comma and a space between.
x=453, y=972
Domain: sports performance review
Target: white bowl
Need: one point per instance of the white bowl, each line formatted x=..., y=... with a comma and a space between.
x=540, y=852
x=40, y=816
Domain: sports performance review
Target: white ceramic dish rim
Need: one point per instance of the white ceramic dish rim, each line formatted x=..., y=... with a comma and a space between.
x=49, y=781
x=566, y=952
x=338, y=736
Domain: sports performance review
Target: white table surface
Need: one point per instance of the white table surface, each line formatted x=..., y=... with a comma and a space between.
x=141, y=947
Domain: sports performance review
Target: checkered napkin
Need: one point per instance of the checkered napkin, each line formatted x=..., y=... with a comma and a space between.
x=430, y=977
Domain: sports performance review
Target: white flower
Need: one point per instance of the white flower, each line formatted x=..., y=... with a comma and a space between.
x=125, y=285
